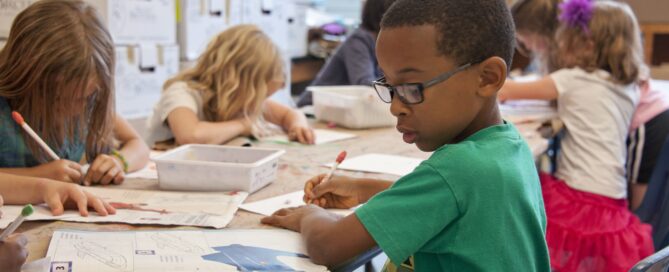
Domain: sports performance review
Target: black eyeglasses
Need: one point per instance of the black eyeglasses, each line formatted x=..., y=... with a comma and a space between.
x=411, y=93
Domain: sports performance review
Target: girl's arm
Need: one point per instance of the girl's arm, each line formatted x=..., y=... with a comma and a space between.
x=292, y=121
x=188, y=129
x=19, y=190
x=543, y=89
x=133, y=148
x=61, y=170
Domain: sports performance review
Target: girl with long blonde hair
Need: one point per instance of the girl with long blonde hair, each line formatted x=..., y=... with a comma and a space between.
x=225, y=94
x=589, y=225
x=57, y=70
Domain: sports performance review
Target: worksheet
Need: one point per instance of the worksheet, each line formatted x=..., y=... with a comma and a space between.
x=527, y=110
x=213, y=210
x=380, y=163
x=179, y=251
x=295, y=199
x=148, y=172
x=323, y=136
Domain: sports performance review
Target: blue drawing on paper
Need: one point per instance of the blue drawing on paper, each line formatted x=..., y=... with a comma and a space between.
x=249, y=258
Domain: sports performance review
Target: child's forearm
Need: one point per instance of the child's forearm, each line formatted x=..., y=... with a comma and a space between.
x=542, y=89
x=22, y=171
x=331, y=240
x=19, y=190
x=136, y=154
x=214, y=132
x=370, y=187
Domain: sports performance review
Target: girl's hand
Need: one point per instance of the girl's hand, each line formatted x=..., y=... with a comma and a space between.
x=58, y=196
x=301, y=133
x=61, y=170
x=13, y=253
x=338, y=192
x=247, y=126
x=104, y=170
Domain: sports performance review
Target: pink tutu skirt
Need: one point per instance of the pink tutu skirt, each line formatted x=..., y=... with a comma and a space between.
x=590, y=232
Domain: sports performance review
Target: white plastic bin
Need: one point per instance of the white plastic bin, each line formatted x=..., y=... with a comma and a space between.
x=217, y=168
x=355, y=107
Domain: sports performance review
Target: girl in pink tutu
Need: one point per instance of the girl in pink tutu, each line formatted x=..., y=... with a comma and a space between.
x=596, y=88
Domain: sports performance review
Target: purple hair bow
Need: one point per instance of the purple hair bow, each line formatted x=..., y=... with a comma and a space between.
x=577, y=13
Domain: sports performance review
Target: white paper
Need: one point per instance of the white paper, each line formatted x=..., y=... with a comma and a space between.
x=148, y=172
x=180, y=250
x=380, y=163
x=323, y=136
x=217, y=6
x=521, y=111
x=214, y=210
x=132, y=22
x=270, y=205
x=526, y=78
x=148, y=55
x=137, y=91
x=41, y=265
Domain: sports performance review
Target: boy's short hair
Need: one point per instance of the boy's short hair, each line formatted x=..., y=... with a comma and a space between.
x=468, y=30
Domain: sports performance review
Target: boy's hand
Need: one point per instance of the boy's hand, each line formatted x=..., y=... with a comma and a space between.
x=62, y=170
x=58, y=196
x=301, y=133
x=104, y=170
x=290, y=218
x=339, y=192
x=13, y=253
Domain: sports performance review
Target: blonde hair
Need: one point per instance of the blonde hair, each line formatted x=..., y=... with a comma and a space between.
x=233, y=72
x=54, y=51
x=614, y=35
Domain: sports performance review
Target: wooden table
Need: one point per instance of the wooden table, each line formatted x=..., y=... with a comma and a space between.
x=295, y=167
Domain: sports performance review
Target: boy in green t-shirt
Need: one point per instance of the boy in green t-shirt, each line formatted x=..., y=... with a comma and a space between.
x=475, y=204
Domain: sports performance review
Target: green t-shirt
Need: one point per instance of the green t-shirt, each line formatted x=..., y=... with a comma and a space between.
x=472, y=206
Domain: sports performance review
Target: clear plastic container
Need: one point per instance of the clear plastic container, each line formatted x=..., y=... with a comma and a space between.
x=355, y=107
x=217, y=168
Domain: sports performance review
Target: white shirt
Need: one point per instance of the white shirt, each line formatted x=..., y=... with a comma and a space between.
x=175, y=96
x=597, y=114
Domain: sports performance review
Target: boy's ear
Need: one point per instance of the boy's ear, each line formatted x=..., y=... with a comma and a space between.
x=492, y=74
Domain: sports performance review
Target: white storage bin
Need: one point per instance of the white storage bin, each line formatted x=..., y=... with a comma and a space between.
x=353, y=107
x=217, y=168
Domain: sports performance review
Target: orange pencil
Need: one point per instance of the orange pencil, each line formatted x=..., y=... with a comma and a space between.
x=19, y=120
x=340, y=158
